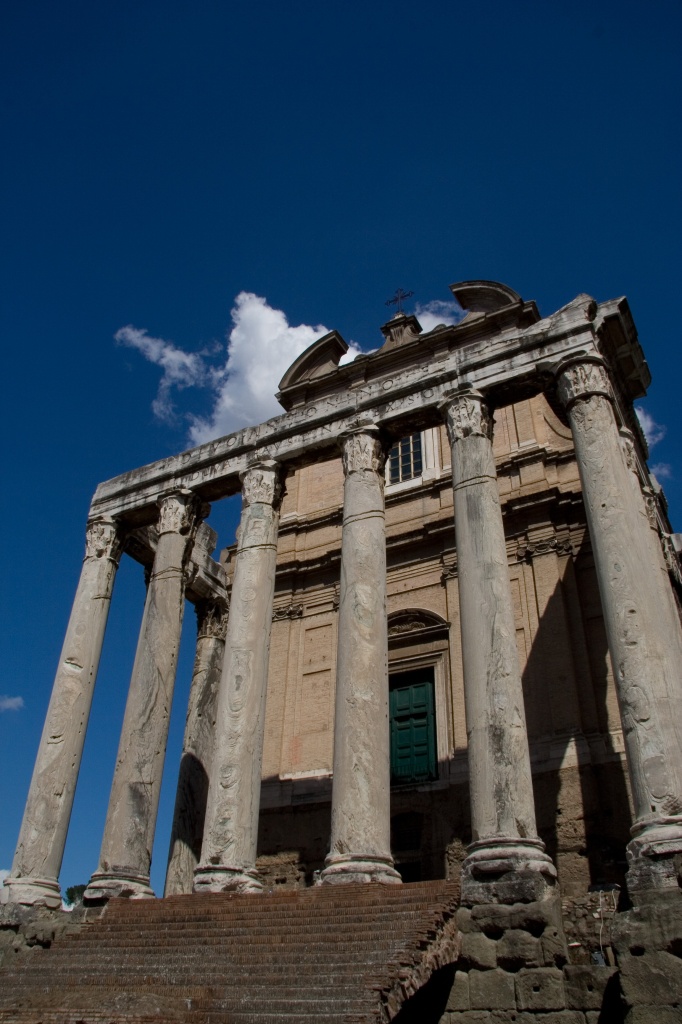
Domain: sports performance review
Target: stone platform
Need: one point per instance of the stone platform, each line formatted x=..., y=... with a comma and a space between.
x=329, y=954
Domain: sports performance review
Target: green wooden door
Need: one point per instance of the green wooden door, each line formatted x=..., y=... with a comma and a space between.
x=413, y=731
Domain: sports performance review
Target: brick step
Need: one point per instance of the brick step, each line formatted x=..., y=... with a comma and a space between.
x=321, y=925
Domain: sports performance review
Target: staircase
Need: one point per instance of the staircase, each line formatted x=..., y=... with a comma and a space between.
x=346, y=954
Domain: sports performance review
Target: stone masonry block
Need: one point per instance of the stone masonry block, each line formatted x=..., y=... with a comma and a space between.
x=491, y=990
x=518, y=949
x=554, y=950
x=654, y=979
x=478, y=951
x=491, y=918
x=654, y=1015
x=459, y=993
x=540, y=988
x=585, y=986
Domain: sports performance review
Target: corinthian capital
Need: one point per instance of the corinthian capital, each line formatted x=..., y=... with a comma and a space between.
x=180, y=512
x=260, y=483
x=102, y=539
x=582, y=379
x=467, y=414
x=363, y=450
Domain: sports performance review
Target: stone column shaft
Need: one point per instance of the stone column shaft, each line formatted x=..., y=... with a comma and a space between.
x=506, y=859
x=360, y=848
x=126, y=853
x=40, y=849
x=229, y=849
x=642, y=625
x=197, y=750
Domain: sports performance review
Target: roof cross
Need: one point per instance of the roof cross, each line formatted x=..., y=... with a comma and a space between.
x=398, y=299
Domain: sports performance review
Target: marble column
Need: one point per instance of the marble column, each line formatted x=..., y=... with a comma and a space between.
x=37, y=862
x=228, y=853
x=641, y=620
x=197, y=749
x=506, y=859
x=360, y=847
x=126, y=854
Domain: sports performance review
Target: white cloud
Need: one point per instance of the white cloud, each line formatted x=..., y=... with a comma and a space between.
x=261, y=347
x=662, y=471
x=11, y=703
x=180, y=369
x=430, y=314
x=653, y=432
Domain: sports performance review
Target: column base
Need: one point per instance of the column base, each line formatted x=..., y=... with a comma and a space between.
x=342, y=869
x=222, y=878
x=34, y=892
x=504, y=870
x=106, y=886
x=655, y=856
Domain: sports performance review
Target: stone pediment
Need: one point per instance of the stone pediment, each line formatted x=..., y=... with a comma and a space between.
x=321, y=357
x=416, y=622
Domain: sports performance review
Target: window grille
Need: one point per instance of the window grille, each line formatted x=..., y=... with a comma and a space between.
x=405, y=459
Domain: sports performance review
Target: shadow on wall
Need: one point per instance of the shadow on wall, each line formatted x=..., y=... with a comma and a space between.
x=583, y=813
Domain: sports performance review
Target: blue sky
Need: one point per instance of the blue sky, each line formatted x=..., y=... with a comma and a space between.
x=162, y=159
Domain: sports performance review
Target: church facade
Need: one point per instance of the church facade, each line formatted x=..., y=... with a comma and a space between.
x=446, y=645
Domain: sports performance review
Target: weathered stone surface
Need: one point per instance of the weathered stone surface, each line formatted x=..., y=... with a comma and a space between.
x=540, y=988
x=125, y=857
x=360, y=847
x=38, y=857
x=228, y=855
x=585, y=986
x=197, y=750
x=491, y=990
x=654, y=978
x=641, y=620
x=654, y=1015
x=459, y=994
x=518, y=949
x=502, y=808
x=479, y=951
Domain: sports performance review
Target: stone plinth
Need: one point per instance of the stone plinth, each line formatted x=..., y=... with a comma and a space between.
x=228, y=856
x=40, y=849
x=360, y=849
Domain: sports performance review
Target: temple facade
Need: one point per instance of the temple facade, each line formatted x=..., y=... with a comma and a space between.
x=446, y=644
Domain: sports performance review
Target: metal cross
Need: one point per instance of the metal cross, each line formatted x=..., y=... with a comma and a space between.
x=398, y=299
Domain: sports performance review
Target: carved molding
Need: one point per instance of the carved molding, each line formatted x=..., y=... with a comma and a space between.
x=672, y=559
x=582, y=380
x=468, y=415
x=211, y=619
x=102, y=539
x=527, y=550
x=414, y=620
x=261, y=484
x=292, y=611
x=362, y=451
x=180, y=512
x=449, y=571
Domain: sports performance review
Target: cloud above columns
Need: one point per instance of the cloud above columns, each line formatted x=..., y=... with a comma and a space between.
x=242, y=378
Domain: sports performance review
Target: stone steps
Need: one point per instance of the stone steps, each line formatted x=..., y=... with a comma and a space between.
x=322, y=955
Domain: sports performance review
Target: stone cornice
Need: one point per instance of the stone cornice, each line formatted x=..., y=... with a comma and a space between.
x=398, y=389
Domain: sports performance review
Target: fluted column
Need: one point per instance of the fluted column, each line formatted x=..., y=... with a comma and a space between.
x=40, y=849
x=506, y=860
x=642, y=625
x=126, y=854
x=360, y=848
x=228, y=854
x=197, y=749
